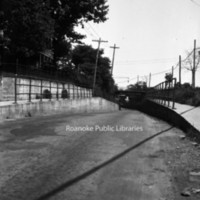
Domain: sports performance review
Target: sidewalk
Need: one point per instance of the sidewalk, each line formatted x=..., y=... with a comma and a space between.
x=190, y=113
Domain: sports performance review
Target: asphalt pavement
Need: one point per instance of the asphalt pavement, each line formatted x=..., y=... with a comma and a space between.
x=110, y=156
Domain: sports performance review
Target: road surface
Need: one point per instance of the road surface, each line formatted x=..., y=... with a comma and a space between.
x=110, y=156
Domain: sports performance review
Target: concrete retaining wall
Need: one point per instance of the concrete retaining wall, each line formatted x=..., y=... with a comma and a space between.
x=24, y=86
x=52, y=107
x=170, y=116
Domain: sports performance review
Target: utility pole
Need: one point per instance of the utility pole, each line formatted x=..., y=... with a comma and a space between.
x=138, y=78
x=114, y=48
x=172, y=71
x=96, y=63
x=150, y=80
x=194, y=65
x=180, y=69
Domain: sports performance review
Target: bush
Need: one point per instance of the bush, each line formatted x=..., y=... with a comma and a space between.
x=188, y=96
x=64, y=94
x=196, y=100
x=186, y=85
x=47, y=94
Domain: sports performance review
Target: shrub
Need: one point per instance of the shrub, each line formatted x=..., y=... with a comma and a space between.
x=188, y=96
x=186, y=85
x=64, y=94
x=46, y=94
x=196, y=100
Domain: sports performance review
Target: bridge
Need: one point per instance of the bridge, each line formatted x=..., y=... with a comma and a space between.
x=130, y=98
x=163, y=93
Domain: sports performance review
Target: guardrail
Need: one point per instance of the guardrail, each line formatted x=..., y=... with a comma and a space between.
x=163, y=93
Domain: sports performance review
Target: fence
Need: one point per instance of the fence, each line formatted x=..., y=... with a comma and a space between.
x=163, y=93
x=48, y=72
x=19, y=87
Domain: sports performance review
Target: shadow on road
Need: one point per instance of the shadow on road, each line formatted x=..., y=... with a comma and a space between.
x=100, y=166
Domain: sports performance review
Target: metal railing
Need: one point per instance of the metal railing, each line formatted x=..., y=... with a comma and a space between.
x=49, y=72
x=163, y=93
x=25, y=88
x=29, y=83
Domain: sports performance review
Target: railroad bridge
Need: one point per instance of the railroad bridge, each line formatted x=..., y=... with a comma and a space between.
x=130, y=98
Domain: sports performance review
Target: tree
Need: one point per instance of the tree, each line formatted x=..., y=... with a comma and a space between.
x=137, y=86
x=192, y=64
x=32, y=25
x=28, y=25
x=68, y=14
x=168, y=77
x=83, y=58
x=131, y=87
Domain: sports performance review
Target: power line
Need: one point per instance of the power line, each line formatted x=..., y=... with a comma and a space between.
x=94, y=30
x=89, y=32
x=129, y=79
x=195, y=2
x=153, y=61
x=158, y=73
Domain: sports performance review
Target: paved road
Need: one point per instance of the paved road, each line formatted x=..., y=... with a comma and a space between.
x=110, y=157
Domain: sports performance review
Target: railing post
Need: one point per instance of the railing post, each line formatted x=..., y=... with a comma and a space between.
x=69, y=91
x=73, y=92
x=63, y=88
x=165, y=95
x=16, y=71
x=50, y=90
x=41, y=90
x=57, y=95
x=30, y=90
x=168, y=94
x=15, y=88
x=173, y=100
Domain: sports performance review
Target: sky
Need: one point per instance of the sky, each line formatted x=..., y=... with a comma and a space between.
x=150, y=34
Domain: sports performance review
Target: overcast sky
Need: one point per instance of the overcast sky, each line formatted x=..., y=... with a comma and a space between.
x=151, y=35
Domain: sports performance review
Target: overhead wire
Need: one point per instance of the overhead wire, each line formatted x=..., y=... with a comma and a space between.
x=93, y=30
x=198, y=4
x=89, y=32
x=89, y=29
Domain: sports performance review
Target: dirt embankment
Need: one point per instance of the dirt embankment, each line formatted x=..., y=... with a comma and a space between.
x=182, y=159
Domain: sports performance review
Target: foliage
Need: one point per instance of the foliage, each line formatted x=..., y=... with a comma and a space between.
x=47, y=94
x=192, y=65
x=168, y=77
x=186, y=85
x=138, y=86
x=34, y=25
x=188, y=95
x=64, y=94
x=68, y=14
x=83, y=58
x=28, y=25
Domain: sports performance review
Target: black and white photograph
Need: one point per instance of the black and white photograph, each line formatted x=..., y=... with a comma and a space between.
x=99, y=99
